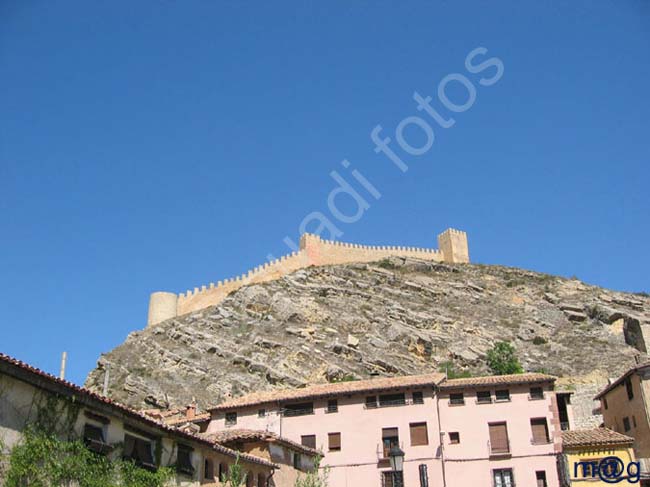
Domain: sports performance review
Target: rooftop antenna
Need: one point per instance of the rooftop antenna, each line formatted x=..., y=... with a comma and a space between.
x=64, y=358
x=105, y=389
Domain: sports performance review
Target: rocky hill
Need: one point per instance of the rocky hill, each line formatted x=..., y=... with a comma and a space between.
x=397, y=316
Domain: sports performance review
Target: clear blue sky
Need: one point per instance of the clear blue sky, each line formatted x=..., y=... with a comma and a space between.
x=161, y=145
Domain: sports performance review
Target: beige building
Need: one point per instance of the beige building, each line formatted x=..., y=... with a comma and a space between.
x=625, y=405
x=111, y=429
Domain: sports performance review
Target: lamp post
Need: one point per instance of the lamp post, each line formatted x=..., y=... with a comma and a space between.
x=396, y=456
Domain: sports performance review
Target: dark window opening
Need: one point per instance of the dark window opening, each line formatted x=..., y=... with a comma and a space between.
x=502, y=395
x=300, y=409
x=208, y=469
x=626, y=424
x=541, y=478
x=630, y=390
x=536, y=393
x=456, y=398
x=94, y=439
x=184, y=460
x=387, y=400
x=296, y=461
x=261, y=413
x=392, y=479
x=231, y=419
x=389, y=439
x=332, y=406
x=454, y=438
x=139, y=451
x=483, y=397
x=562, y=401
x=371, y=402
x=418, y=398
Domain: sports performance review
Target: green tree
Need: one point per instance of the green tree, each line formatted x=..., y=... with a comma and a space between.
x=316, y=477
x=502, y=359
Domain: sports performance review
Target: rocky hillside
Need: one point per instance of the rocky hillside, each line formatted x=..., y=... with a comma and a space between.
x=397, y=316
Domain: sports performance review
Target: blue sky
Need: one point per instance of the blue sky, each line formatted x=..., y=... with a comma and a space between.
x=161, y=145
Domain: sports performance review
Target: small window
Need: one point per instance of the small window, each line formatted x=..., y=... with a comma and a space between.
x=605, y=402
x=371, y=402
x=419, y=434
x=630, y=390
x=536, y=393
x=626, y=424
x=296, y=461
x=483, y=397
x=300, y=409
x=503, y=477
x=208, y=469
x=541, y=478
x=389, y=439
x=388, y=400
x=308, y=441
x=94, y=439
x=424, y=475
x=456, y=399
x=139, y=450
x=231, y=419
x=184, y=460
x=392, y=479
x=539, y=428
x=418, y=398
x=502, y=395
x=222, y=472
x=334, y=441
x=261, y=413
x=454, y=438
x=634, y=421
x=332, y=406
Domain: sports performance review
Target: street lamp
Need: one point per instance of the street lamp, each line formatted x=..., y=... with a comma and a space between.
x=396, y=457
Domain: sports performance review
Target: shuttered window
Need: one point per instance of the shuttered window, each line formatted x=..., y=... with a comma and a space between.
x=309, y=441
x=540, y=431
x=334, y=441
x=499, y=438
x=419, y=435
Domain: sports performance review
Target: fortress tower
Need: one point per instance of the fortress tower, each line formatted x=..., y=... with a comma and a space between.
x=314, y=251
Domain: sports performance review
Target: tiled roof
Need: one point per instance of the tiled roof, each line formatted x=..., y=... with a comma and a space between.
x=233, y=435
x=594, y=437
x=328, y=390
x=199, y=418
x=36, y=376
x=621, y=379
x=530, y=378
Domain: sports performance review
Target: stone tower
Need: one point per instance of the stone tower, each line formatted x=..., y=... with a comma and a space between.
x=453, y=244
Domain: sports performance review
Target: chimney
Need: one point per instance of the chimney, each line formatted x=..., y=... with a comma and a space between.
x=190, y=411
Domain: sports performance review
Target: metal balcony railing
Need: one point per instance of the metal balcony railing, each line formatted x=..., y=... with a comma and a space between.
x=297, y=412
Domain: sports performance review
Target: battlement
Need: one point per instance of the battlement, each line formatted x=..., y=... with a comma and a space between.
x=314, y=251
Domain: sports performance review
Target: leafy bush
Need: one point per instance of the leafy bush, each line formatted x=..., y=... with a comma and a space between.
x=317, y=477
x=502, y=359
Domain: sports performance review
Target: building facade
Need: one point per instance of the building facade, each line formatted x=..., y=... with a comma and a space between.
x=501, y=431
x=625, y=406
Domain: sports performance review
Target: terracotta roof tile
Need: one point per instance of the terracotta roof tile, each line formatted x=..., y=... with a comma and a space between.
x=529, y=378
x=233, y=435
x=594, y=437
x=328, y=390
x=35, y=374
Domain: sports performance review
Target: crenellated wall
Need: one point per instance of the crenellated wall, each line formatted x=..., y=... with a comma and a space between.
x=313, y=251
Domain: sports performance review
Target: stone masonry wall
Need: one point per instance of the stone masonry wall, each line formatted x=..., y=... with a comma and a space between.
x=313, y=251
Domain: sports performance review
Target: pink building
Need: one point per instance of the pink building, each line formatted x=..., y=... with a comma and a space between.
x=454, y=433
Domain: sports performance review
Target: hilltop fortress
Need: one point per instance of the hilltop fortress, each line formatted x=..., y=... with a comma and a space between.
x=314, y=251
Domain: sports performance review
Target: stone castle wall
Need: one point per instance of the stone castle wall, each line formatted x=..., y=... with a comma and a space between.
x=313, y=251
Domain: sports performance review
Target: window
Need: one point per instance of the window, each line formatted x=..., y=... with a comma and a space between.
x=231, y=419
x=222, y=472
x=589, y=467
x=261, y=413
x=250, y=479
x=536, y=393
x=424, y=475
x=456, y=399
x=541, y=478
x=540, y=431
x=499, y=443
x=630, y=390
x=94, y=439
x=184, y=460
x=419, y=434
x=389, y=439
x=332, y=406
x=454, y=438
x=296, y=461
x=634, y=421
x=371, y=402
x=626, y=424
x=387, y=400
x=502, y=395
x=261, y=480
x=300, y=409
x=483, y=397
x=334, y=441
x=308, y=441
x=418, y=398
x=390, y=479
x=503, y=478
x=208, y=469
x=139, y=450
x=605, y=402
